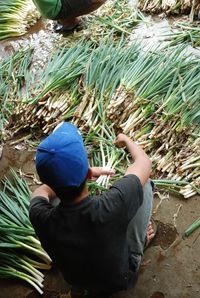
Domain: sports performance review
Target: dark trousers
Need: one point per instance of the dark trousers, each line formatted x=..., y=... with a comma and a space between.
x=78, y=293
x=75, y=8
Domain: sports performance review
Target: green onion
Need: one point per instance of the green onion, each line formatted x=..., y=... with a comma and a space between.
x=16, y=16
x=192, y=227
x=169, y=7
x=20, y=250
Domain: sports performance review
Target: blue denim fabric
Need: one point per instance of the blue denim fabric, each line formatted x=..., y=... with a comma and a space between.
x=137, y=228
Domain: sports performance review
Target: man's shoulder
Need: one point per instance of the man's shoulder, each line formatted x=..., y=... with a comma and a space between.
x=38, y=201
x=39, y=209
x=127, y=181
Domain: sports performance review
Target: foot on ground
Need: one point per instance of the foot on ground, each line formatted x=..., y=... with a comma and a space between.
x=66, y=26
x=151, y=232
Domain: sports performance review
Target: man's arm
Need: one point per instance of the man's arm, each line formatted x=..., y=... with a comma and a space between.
x=142, y=163
x=44, y=191
x=95, y=172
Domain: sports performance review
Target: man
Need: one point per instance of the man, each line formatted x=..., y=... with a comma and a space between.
x=96, y=241
x=67, y=12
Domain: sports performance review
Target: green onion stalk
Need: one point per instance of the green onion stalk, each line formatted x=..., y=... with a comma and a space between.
x=195, y=225
x=178, y=187
x=105, y=155
x=184, y=33
x=21, y=254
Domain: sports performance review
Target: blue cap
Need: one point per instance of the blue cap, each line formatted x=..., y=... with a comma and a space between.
x=61, y=159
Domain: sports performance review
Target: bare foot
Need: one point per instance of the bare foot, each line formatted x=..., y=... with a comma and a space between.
x=150, y=233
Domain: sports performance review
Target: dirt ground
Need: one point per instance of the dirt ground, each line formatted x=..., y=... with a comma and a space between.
x=171, y=266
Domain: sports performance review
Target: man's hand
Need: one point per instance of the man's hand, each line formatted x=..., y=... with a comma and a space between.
x=121, y=140
x=44, y=191
x=141, y=166
x=95, y=172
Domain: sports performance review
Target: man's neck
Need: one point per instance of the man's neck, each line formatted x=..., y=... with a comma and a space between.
x=84, y=194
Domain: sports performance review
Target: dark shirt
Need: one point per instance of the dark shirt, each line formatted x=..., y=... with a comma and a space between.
x=87, y=240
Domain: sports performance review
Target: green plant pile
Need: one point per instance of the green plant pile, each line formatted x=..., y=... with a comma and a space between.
x=16, y=16
x=21, y=254
x=13, y=71
x=184, y=33
x=151, y=96
x=169, y=6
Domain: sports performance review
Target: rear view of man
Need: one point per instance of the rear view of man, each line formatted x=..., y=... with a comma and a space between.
x=96, y=241
x=67, y=12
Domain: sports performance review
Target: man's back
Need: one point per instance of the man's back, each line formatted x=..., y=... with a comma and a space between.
x=87, y=240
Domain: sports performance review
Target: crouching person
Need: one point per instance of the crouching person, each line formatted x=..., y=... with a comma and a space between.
x=66, y=12
x=96, y=241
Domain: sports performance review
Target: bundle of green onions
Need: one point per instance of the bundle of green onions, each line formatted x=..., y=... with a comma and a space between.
x=16, y=16
x=13, y=72
x=105, y=155
x=177, y=187
x=21, y=254
x=64, y=67
x=151, y=96
x=184, y=33
x=169, y=6
x=98, y=80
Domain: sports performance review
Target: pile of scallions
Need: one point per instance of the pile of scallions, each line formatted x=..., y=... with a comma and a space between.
x=184, y=33
x=170, y=6
x=13, y=70
x=21, y=254
x=16, y=16
x=151, y=96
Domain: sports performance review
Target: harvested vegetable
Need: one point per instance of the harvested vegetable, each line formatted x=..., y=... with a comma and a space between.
x=195, y=225
x=184, y=33
x=13, y=74
x=21, y=254
x=151, y=96
x=16, y=16
x=170, y=6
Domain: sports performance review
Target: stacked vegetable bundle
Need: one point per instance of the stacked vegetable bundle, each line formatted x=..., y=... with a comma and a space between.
x=16, y=16
x=13, y=71
x=169, y=6
x=21, y=254
x=151, y=96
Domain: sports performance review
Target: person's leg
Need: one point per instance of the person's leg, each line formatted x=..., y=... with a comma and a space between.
x=137, y=228
x=72, y=9
x=77, y=292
